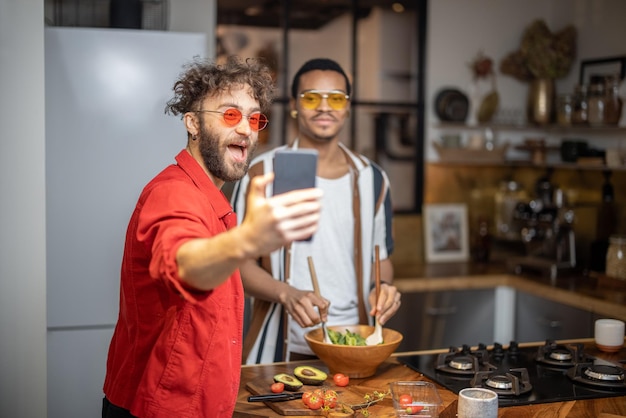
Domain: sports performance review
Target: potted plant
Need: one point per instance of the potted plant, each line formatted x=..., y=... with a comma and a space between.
x=542, y=58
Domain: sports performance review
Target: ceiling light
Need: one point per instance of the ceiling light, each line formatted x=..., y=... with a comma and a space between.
x=397, y=7
x=253, y=11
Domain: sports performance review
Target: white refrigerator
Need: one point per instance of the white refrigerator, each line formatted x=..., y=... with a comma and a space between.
x=106, y=136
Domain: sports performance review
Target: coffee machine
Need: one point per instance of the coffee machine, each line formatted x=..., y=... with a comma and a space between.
x=546, y=227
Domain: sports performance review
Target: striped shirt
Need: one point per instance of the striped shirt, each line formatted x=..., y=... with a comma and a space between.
x=341, y=264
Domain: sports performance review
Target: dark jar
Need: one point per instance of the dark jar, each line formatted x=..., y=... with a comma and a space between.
x=580, y=115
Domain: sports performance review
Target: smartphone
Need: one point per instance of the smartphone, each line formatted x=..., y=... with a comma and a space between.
x=294, y=169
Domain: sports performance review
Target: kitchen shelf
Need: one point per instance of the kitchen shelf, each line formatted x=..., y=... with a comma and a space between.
x=528, y=164
x=524, y=128
x=611, y=132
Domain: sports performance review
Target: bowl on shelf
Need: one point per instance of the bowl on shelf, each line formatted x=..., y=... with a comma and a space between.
x=354, y=361
x=451, y=105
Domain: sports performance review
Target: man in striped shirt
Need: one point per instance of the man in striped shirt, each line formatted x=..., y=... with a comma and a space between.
x=356, y=217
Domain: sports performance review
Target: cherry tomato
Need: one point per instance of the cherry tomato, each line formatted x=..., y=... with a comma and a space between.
x=305, y=397
x=330, y=392
x=413, y=410
x=341, y=379
x=277, y=387
x=315, y=402
x=330, y=398
x=405, y=400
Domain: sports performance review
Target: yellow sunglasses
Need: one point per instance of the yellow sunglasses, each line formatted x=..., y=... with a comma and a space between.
x=311, y=99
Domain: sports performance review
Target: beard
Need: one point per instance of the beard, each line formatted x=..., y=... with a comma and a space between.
x=212, y=152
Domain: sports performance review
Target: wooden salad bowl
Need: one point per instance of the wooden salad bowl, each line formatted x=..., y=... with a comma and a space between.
x=353, y=361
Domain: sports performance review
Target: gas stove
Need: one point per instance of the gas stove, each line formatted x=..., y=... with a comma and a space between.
x=552, y=372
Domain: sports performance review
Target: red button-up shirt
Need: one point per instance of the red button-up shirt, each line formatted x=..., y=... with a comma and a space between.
x=176, y=351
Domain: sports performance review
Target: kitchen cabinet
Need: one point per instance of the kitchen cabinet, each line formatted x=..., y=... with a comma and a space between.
x=539, y=319
x=429, y=320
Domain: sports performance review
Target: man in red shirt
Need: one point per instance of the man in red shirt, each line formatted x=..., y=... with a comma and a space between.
x=176, y=349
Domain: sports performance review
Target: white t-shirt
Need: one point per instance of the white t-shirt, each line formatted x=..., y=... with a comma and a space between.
x=332, y=250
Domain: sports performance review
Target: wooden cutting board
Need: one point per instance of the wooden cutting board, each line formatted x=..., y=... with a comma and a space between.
x=352, y=395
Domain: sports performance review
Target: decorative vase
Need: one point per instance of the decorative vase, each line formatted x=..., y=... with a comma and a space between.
x=541, y=101
x=484, y=100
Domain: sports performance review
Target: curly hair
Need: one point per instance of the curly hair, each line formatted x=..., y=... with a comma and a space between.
x=202, y=78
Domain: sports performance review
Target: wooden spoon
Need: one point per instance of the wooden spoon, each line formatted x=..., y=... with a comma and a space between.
x=377, y=336
x=316, y=290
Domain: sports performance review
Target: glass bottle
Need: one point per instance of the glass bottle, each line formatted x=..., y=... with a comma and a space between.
x=482, y=241
x=606, y=219
x=564, y=109
x=506, y=199
x=613, y=102
x=580, y=115
x=616, y=257
x=596, y=101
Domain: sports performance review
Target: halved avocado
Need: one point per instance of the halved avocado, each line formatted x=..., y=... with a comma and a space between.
x=310, y=375
x=291, y=383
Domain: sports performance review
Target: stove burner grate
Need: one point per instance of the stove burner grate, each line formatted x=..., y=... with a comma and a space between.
x=598, y=375
x=514, y=382
x=562, y=355
x=464, y=361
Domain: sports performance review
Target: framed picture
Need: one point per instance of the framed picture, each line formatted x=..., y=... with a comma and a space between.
x=446, y=232
x=602, y=66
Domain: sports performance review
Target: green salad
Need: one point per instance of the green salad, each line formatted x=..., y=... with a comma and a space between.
x=346, y=338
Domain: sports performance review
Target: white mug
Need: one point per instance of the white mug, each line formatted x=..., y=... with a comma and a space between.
x=477, y=403
x=609, y=334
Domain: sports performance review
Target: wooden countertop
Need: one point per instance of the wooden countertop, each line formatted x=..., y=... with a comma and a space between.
x=600, y=295
x=391, y=370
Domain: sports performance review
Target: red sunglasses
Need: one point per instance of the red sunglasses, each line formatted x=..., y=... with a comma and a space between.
x=258, y=121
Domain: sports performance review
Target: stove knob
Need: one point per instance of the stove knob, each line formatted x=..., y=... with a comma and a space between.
x=513, y=348
x=498, y=351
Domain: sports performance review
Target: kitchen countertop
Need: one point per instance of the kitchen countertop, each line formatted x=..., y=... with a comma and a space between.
x=392, y=370
x=594, y=293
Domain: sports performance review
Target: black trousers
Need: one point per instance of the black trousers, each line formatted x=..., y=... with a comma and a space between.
x=111, y=411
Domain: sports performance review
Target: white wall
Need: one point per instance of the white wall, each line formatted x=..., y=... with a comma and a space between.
x=22, y=211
